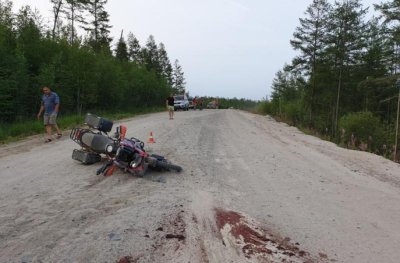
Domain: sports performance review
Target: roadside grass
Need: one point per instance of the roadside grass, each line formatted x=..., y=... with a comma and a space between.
x=20, y=130
x=386, y=154
x=314, y=133
x=253, y=110
x=302, y=128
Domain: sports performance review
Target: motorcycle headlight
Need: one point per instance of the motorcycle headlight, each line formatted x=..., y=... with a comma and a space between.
x=109, y=148
x=135, y=163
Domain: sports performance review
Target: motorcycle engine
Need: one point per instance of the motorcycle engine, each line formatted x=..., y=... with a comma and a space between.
x=128, y=157
x=125, y=155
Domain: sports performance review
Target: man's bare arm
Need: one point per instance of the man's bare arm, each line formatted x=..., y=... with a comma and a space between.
x=40, y=111
x=57, y=109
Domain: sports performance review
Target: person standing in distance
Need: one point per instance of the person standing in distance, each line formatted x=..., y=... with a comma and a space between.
x=170, y=106
x=50, y=105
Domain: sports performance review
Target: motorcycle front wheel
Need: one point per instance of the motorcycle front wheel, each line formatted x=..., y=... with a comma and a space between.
x=168, y=166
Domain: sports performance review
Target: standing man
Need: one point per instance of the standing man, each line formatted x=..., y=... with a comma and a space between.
x=200, y=103
x=194, y=102
x=50, y=106
x=170, y=106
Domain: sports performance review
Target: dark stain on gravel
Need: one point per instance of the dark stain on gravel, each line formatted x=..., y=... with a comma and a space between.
x=255, y=242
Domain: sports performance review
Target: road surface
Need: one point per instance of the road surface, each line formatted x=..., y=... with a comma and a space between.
x=252, y=190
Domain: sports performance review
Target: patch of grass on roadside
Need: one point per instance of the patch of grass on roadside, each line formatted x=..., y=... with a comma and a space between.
x=314, y=133
x=69, y=121
x=19, y=130
x=252, y=110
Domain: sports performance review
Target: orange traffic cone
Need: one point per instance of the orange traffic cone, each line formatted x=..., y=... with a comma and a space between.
x=151, y=139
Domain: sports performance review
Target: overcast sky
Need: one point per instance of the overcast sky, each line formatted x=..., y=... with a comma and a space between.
x=227, y=48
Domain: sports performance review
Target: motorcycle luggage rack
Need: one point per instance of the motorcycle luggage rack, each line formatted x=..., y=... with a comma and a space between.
x=76, y=133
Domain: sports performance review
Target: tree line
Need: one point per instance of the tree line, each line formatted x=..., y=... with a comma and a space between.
x=235, y=103
x=342, y=83
x=85, y=69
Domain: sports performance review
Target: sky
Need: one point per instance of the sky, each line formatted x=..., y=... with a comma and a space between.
x=227, y=48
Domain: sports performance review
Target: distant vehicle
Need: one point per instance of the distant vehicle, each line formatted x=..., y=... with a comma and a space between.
x=198, y=103
x=191, y=104
x=212, y=105
x=181, y=102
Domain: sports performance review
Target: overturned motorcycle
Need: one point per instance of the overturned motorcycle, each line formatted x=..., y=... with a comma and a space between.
x=120, y=152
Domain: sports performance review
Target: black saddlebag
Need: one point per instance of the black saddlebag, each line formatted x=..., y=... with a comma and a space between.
x=86, y=157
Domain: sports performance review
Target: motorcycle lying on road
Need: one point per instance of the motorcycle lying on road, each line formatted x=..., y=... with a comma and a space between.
x=127, y=154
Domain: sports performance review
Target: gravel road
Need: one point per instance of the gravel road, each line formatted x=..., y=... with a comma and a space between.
x=252, y=190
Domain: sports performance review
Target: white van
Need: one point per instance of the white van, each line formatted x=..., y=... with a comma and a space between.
x=181, y=102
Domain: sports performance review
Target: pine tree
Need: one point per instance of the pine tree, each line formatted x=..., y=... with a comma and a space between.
x=165, y=64
x=150, y=56
x=98, y=27
x=134, y=49
x=376, y=58
x=57, y=4
x=309, y=39
x=287, y=87
x=6, y=15
x=121, y=52
x=390, y=12
x=179, y=83
x=346, y=41
x=7, y=45
x=28, y=37
x=73, y=10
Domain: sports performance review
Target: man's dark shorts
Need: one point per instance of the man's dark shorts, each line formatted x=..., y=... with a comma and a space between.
x=49, y=119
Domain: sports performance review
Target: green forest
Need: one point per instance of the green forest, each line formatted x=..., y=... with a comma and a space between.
x=342, y=84
x=75, y=57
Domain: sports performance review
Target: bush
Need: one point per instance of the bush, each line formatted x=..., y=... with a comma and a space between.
x=265, y=107
x=362, y=130
x=293, y=112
